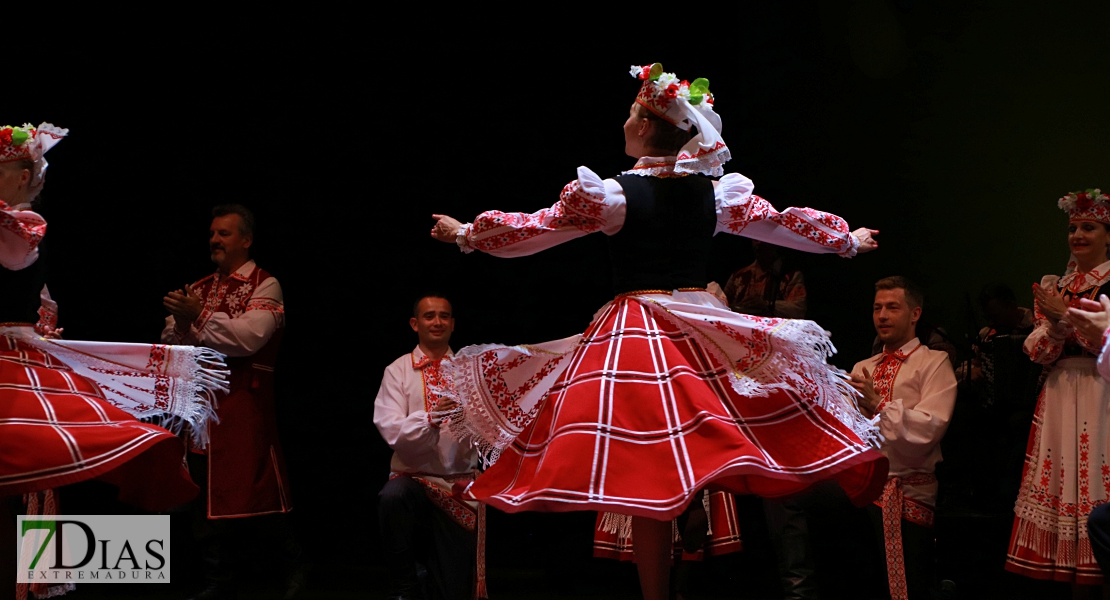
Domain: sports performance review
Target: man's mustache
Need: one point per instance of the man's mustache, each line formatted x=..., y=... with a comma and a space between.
x=216, y=247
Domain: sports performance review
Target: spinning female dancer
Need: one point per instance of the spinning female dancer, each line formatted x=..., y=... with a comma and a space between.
x=667, y=392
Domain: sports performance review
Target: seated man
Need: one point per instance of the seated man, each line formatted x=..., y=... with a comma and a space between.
x=420, y=519
x=912, y=389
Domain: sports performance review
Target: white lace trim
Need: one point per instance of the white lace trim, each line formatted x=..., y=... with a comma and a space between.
x=710, y=163
x=477, y=421
x=797, y=346
x=197, y=374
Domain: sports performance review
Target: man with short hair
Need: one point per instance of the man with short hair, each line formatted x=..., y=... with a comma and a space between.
x=420, y=519
x=912, y=390
x=238, y=311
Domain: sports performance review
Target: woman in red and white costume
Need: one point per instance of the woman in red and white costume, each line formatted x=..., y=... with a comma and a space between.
x=1067, y=464
x=68, y=409
x=668, y=392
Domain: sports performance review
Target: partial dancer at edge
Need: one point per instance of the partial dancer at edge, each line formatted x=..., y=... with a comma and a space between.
x=666, y=381
x=69, y=409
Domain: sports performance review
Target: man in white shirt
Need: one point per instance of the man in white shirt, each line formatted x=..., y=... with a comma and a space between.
x=420, y=519
x=237, y=310
x=911, y=389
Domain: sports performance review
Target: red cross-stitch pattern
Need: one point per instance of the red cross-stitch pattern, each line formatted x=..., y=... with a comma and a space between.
x=576, y=208
x=824, y=229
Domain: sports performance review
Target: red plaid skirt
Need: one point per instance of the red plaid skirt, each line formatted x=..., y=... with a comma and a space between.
x=644, y=415
x=56, y=429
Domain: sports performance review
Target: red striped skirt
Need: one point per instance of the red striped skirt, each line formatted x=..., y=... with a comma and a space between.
x=57, y=429
x=663, y=396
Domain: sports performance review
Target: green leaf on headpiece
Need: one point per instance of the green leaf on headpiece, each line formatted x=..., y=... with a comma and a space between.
x=700, y=86
x=1091, y=193
x=19, y=136
x=655, y=72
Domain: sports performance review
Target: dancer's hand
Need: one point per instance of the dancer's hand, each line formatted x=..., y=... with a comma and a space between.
x=1050, y=303
x=867, y=243
x=445, y=229
x=52, y=334
x=185, y=306
x=1091, y=319
x=865, y=385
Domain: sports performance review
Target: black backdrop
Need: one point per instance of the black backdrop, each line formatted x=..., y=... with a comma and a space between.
x=951, y=130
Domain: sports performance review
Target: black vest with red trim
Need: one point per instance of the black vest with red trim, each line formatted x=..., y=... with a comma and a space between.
x=666, y=238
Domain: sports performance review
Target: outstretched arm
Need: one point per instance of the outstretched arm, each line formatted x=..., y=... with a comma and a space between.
x=585, y=205
x=740, y=212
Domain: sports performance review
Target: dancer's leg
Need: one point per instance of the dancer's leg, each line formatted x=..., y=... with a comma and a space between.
x=653, y=543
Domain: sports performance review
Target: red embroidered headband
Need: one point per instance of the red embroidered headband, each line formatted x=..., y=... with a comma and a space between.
x=1090, y=205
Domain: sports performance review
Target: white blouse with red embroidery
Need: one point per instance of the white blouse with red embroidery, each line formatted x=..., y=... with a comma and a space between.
x=913, y=422
x=401, y=415
x=20, y=234
x=590, y=204
x=1046, y=343
x=237, y=335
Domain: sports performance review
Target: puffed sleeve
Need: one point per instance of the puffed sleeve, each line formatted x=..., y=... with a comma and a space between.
x=740, y=212
x=914, y=432
x=586, y=205
x=1046, y=342
x=408, y=433
x=21, y=232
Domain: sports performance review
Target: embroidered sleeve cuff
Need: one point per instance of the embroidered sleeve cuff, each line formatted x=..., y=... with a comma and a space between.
x=853, y=246
x=461, y=239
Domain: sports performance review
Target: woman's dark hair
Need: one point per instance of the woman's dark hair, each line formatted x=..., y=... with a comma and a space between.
x=665, y=136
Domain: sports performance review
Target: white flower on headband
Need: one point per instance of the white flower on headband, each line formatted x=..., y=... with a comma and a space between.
x=635, y=71
x=1067, y=202
x=665, y=80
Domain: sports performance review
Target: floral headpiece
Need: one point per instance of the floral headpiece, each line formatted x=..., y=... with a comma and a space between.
x=1090, y=205
x=685, y=104
x=30, y=143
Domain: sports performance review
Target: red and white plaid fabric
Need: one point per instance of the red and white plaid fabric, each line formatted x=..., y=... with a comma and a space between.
x=664, y=396
x=56, y=428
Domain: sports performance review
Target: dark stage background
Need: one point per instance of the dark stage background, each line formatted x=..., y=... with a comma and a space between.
x=952, y=130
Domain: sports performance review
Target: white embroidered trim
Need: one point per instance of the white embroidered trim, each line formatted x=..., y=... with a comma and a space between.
x=797, y=346
x=461, y=239
x=197, y=374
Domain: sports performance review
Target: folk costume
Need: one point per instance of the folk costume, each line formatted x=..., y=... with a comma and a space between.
x=69, y=409
x=917, y=390
x=1067, y=465
x=419, y=516
x=243, y=317
x=665, y=378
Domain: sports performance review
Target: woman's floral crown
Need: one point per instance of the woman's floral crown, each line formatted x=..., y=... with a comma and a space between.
x=1091, y=205
x=661, y=89
x=13, y=142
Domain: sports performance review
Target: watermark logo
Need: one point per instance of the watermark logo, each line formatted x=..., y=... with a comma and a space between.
x=93, y=549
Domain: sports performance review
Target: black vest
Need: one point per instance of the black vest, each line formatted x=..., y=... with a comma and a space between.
x=19, y=291
x=668, y=228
